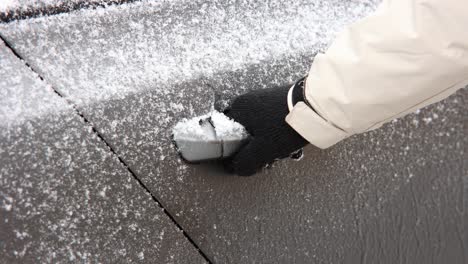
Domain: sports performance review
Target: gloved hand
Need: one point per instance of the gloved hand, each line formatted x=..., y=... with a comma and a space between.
x=263, y=113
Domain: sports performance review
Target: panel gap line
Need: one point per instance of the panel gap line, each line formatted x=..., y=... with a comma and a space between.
x=111, y=149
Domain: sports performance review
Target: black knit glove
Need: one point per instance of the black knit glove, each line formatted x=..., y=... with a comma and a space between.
x=263, y=113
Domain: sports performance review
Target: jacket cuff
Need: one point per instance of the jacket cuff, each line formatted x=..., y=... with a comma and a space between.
x=314, y=128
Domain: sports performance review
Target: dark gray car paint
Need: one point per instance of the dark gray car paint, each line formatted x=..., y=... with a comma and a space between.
x=397, y=194
x=64, y=197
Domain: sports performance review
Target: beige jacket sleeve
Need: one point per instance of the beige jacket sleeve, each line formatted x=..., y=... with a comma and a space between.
x=407, y=55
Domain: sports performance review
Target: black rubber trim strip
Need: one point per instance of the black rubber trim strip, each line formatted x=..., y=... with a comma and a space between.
x=62, y=7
